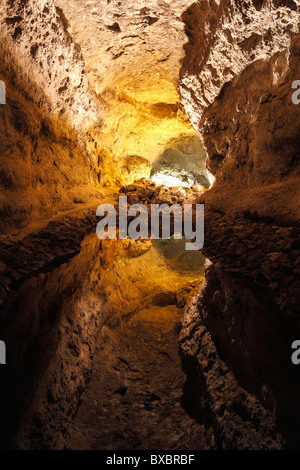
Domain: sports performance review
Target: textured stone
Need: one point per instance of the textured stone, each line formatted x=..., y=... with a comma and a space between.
x=235, y=85
x=240, y=62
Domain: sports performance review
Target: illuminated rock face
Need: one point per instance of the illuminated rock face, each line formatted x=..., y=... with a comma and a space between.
x=48, y=157
x=101, y=80
x=182, y=163
x=93, y=101
x=90, y=103
x=240, y=63
x=38, y=48
x=132, y=52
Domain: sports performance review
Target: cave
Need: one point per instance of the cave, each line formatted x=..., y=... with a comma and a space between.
x=118, y=344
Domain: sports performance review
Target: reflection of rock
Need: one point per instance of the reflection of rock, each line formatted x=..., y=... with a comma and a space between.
x=238, y=420
x=236, y=345
x=133, y=68
x=175, y=252
x=240, y=330
x=135, y=272
x=51, y=340
x=174, y=175
x=236, y=88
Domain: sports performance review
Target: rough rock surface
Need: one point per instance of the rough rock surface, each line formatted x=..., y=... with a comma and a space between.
x=132, y=52
x=241, y=60
x=93, y=99
x=49, y=319
x=237, y=334
x=240, y=63
x=146, y=192
x=48, y=156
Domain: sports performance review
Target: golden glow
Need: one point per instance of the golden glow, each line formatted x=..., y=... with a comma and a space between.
x=142, y=114
x=134, y=271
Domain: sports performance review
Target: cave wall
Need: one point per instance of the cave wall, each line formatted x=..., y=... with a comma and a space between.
x=43, y=166
x=241, y=60
x=48, y=152
x=86, y=106
x=132, y=51
x=79, y=113
x=240, y=63
x=92, y=99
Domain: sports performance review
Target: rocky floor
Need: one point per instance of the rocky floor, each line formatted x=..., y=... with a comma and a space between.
x=134, y=400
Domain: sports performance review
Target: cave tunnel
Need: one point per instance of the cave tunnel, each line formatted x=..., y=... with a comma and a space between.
x=122, y=343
